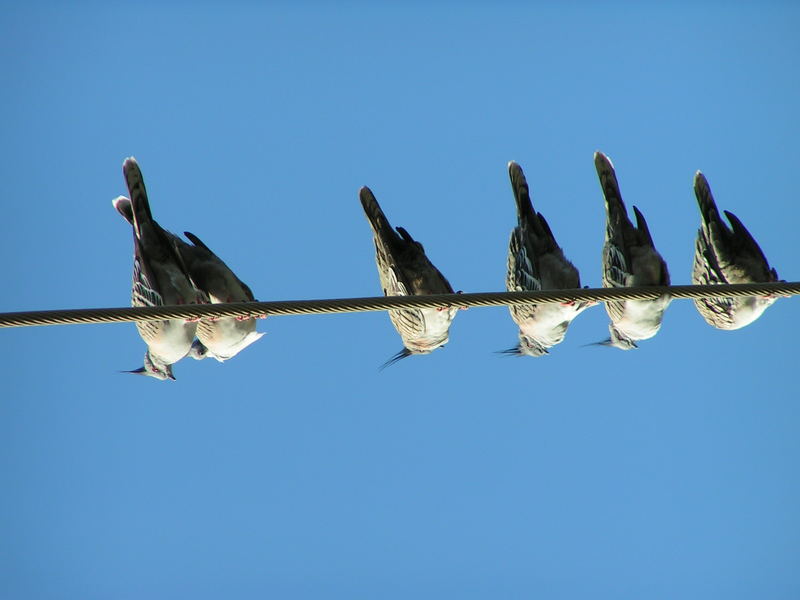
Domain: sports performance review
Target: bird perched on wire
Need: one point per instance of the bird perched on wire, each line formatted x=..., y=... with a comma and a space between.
x=160, y=277
x=727, y=255
x=405, y=270
x=630, y=259
x=537, y=262
x=218, y=337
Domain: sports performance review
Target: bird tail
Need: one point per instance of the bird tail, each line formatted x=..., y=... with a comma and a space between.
x=708, y=208
x=377, y=220
x=641, y=225
x=619, y=229
x=135, y=182
x=525, y=212
x=608, y=181
x=123, y=206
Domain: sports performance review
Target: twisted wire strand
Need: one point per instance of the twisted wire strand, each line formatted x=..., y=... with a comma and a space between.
x=347, y=305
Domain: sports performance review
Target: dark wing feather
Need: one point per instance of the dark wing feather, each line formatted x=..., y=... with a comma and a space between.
x=626, y=245
x=402, y=256
x=749, y=252
x=723, y=254
x=154, y=248
x=538, y=234
x=208, y=270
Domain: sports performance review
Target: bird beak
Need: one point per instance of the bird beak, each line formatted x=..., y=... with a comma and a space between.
x=139, y=371
x=143, y=371
x=510, y=351
x=603, y=343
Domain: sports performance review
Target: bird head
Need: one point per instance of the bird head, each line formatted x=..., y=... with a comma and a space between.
x=413, y=350
x=198, y=351
x=619, y=340
x=528, y=346
x=153, y=367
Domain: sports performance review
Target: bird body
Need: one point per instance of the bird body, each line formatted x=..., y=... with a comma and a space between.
x=405, y=270
x=727, y=255
x=537, y=262
x=221, y=338
x=629, y=259
x=160, y=278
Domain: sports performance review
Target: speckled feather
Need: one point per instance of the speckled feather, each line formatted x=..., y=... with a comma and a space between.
x=404, y=269
x=159, y=277
x=537, y=262
x=629, y=259
x=726, y=254
x=225, y=337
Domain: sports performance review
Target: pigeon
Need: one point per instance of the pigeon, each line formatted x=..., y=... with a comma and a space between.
x=629, y=260
x=160, y=277
x=727, y=255
x=404, y=270
x=220, y=338
x=536, y=262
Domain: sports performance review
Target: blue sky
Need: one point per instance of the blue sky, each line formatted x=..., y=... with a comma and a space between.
x=298, y=469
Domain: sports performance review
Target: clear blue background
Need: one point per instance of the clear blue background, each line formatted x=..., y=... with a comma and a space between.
x=298, y=470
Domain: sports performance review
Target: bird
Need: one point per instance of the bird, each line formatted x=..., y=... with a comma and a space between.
x=160, y=277
x=630, y=259
x=218, y=337
x=537, y=262
x=723, y=255
x=221, y=338
x=405, y=270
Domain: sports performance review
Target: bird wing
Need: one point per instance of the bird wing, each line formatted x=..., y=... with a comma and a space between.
x=211, y=274
x=398, y=252
x=629, y=255
x=161, y=275
x=726, y=254
x=617, y=267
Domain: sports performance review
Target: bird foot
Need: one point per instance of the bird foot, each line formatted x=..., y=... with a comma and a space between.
x=461, y=307
x=192, y=319
x=248, y=317
x=570, y=303
x=449, y=306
